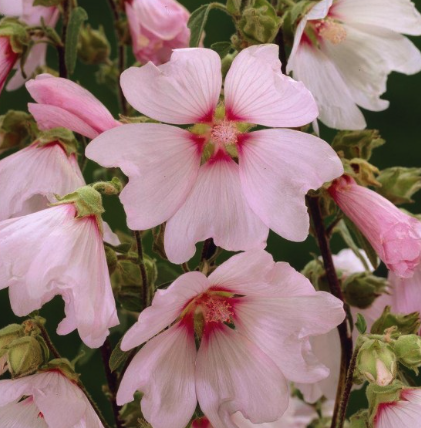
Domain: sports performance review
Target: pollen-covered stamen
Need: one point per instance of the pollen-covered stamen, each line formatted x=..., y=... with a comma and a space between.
x=224, y=133
x=330, y=30
x=218, y=310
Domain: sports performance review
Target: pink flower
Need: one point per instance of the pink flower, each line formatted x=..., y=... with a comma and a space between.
x=63, y=103
x=7, y=60
x=45, y=400
x=157, y=27
x=30, y=15
x=405, y=413
x=395, y=236
x=49, y=170
x=217, y=179
x=52, y=252
x=344, y=51
x=255, y=318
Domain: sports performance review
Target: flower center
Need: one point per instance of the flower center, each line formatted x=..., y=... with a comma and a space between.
x=330, y=30
x=224, y=133
x=218, y=310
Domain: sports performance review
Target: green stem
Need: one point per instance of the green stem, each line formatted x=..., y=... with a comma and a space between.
x=48, y=341
x=142, y=268
x=61, y=50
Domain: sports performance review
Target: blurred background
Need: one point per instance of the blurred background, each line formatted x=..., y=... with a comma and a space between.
x=400, y=126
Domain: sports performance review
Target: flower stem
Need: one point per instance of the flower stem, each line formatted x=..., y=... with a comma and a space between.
x=61, y=49
x=335, y=289
x=112, y=381
x=48, y=341
x=279, y=40
x=142, y=268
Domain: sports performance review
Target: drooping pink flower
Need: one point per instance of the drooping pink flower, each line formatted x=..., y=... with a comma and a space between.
x=217, y=179
x=157, y=27
x=51, y=252
x=405, y=413
x=64, y=104
x=45, y=400
x=30, y=15
x=255, y=318
x=344, y=51
x=49, y=170
x=395, y=236
x=8, y=59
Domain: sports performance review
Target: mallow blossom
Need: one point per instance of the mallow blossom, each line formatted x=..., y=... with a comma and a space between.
x=157, y=27
x=217, y=180
x=254, y=318
x=57, y=252
x=394, y=235
x=62, y=103
x=32, y=16
x=405, y=413
x=8, y=59
x=344, y=51
x=45, y=400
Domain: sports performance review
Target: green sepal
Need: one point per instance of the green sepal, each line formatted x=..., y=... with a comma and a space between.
x=118, y=357
x=399, y=184
x=14, y=129
x=361, y=324
x=64, y=366
x=93, y=46
x=405, y=324
x=408, y=351
x=62, y=136
x=17, y=34
x=359, y=420
x=361, y=289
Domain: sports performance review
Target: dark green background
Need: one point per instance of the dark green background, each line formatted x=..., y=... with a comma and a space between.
x=400, y=125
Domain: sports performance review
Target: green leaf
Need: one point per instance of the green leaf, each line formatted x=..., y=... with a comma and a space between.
x=363, y=243
x=234, y=7
x=47, y=3
x=222, y=48
x=361, y=324
x=197, y=24
x=77, y=18
x=118, y=357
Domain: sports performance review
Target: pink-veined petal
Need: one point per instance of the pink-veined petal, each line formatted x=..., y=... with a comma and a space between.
x=256, y=91
x=11, y=8
x=277, y=169
x=161, y=162
x=183, y=91
x=223, y=389
x=163, y=370
x=215, y=208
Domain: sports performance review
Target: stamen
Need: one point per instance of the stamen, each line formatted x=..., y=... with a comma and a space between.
x=224, y=133
x=218, y=310
x=331, y=31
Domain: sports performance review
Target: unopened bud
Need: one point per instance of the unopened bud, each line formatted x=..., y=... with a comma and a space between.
x=25, y=356
x=359, y=420
x=9, y=334
x=316, y=274
x=93, y=47
x=357, y=144
x=112, y=259
x=376, y=362
x=14, y=129
x=361, y=289
x=408, y=351
x=405, y=324
x=399, y=184
x=364, y=172
x=259, y=23
x=16, y=32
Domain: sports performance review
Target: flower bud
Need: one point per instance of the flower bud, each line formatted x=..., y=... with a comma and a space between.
x=361, y=289
x=376, y=362
x=93, y=47
x=405, y=324
x=408, y=351
x=25, y=355
x=399, y=184
x=316, y=274
x=9, y=334
x=259, y=23
x=359, y=420
x=112, y=259
x=357, y=144
x=16, y=33
x=13, y=129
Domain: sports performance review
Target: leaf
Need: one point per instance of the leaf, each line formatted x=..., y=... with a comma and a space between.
x=222, y=48
x=363, y=243
x=77, y=17
x=197, y=24
x=361, y=324
x=118, y=357
x=234, y=7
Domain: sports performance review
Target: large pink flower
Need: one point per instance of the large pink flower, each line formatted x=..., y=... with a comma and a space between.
x=157, y=27
x=30, y=15
x=217, y=179
x=254, y=317
x=395, y=236
x=344, y=51
x=405, y=413
x=45, y=400
x=49, y=170
x=51, y=253
x=64, y=104
x=8, y=59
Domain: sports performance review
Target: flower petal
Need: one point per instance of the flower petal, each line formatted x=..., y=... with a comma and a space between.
x=22, y=414
x=166, y=307
x=335, y=101
x=400, y=16
x=164, y=371
x=233, y=374
x=403, y=414
x=256, y=91
x=11, y=8
x=183, y=91
x=161, y=162
x=277, y=168
x=215, y=208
